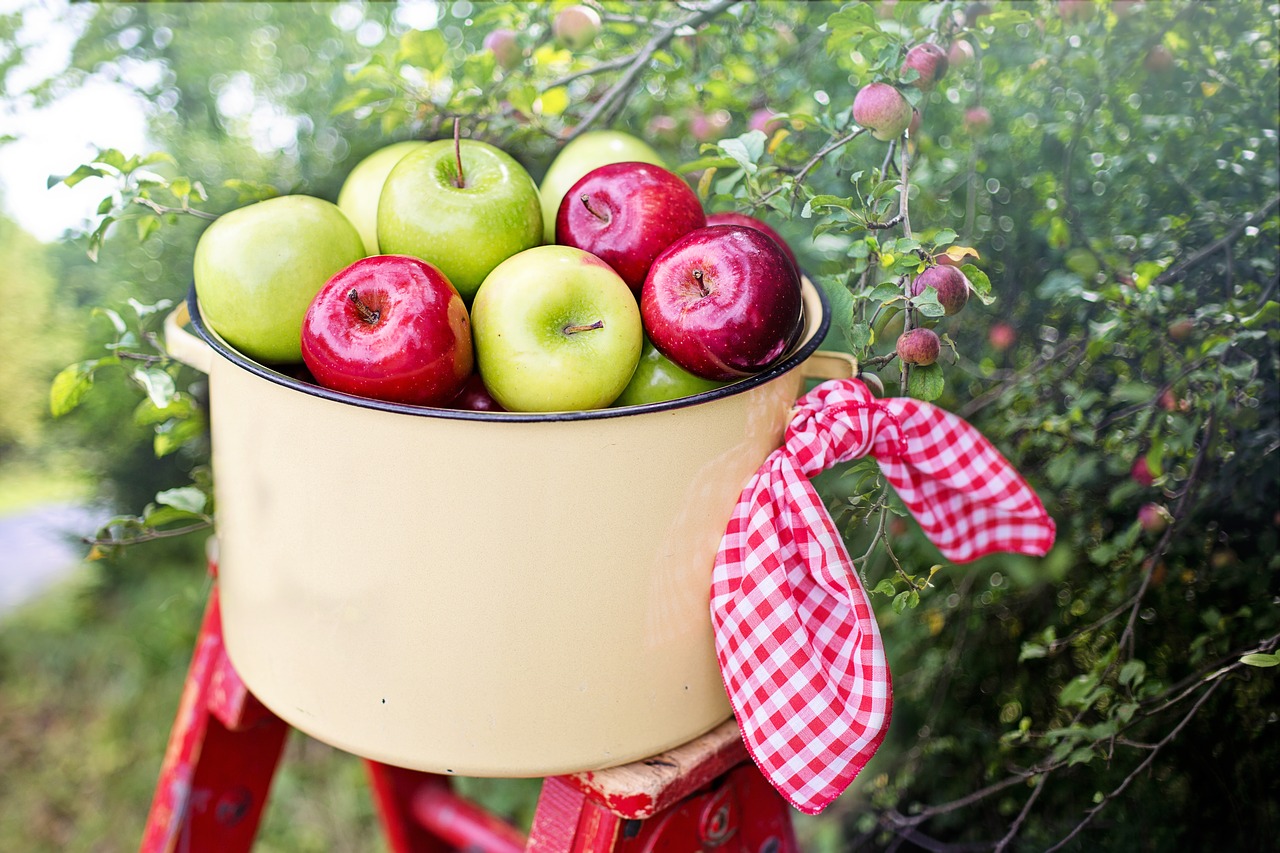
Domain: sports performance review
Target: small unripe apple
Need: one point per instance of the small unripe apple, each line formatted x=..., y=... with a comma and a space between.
x=977, y=120
x=504, y=47
x=873, y=383
x=576, y=27
x=949, y=282
x=1180, y=330
x=1141, y=472
x=1001, y=336
x=664, y=128
x=919, y=346
x=704, y=127
x=883, y=110
x=1158, y=60
x=960, y=54
x=764, y=121
x=1075, y=10
x=1153, y=518
x=929, y=61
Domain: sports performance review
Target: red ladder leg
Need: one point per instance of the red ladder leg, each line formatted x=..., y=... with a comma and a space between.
x=222, y=754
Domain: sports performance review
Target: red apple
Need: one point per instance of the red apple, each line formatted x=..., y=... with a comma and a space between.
x=949, y=282
x=704, y=127
x=730, y=218
x=960, y=54
x=881, y=109
x=919, y=346
x=1001, y=336
x=576, y=27
x=764, y=120
x=392, y=328
x=474, y=397
x=977, y=120
x=1180, y=330
x=505, y=48
x=914, y=127
x=664, y=128
x=1141, y=472
x=626, y=214
x=1158, y=60
x=929, y=61
x=723, y=302
x=1153, y=518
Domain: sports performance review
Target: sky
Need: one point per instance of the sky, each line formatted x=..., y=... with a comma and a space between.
x=57, y=138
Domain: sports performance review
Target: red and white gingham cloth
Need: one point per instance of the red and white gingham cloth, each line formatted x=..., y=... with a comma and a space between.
x=798, y=644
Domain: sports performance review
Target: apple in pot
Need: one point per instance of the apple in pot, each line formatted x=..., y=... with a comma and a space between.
x=392, y=328
x=462, y=206
x=658, y=379
x=758, y=224
x=556, y=329
x=590, y=150
x=723, y=302
x=626, y=214
x=257, y=269
x=360, y=192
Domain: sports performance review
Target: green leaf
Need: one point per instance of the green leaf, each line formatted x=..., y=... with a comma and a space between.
x=927, y=303
x=885, y=292
x=1078, y=691
x=147, y=226
x=1032, y=651
x=70, y=387
x=926, y=383
x=1262, y=660
x=157, y=383
x=174, y=434
x=979, y=282
x=186, y=499
x=81, y=173
x=165, y=515
x=744, y=150
x=885, y=587
x=424, y=48
x=1133, y=673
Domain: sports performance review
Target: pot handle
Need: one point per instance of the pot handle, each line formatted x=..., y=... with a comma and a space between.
x=829, y=364
x=183, y=345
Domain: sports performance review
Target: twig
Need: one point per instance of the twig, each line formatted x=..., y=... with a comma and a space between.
x=1022, y=814
x=810, y=164
x=162, y=209
x=1137, y=771
x=1217, y=245
x=600, y=68
x=149, y=536
x=616, y=96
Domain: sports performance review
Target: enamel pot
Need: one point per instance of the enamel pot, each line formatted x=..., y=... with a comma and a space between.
x=481, y=593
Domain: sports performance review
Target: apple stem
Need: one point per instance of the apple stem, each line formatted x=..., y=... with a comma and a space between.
x=586, y=202
x=697, y=276
x=573, y=330
x=366, y=313
x=460, y=181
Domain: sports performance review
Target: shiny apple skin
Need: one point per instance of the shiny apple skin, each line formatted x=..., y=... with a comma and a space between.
x=417, y=350
x=732, y=218
x=640, y=209
x=741, y=318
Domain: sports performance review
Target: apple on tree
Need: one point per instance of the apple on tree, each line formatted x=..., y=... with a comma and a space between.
x=392, y=328
x=590, y=150
x=883, y=110
x=723, y=302
x=929, y=61
x=626, y=214
x=257, y=269
x=658, y=379
x=919, y=346
x=950, y=284
x=556, y=329
x=461, y=205
x=360, y=192
x=576, y=27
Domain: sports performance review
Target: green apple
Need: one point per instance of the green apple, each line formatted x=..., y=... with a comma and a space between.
x=658, y=378
x=257, y=269
x=466, y=226
x=589, y=151
x=363, y=187
x=555, y=330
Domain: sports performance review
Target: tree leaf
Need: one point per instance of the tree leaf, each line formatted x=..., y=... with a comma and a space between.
x=186, y=498
x=1262, y=660
x=70, y=387
x=926, y=383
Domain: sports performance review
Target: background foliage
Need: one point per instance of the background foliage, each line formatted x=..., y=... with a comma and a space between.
x=1122, y=204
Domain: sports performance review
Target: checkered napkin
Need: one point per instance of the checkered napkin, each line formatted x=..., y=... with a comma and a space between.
x=799, y=648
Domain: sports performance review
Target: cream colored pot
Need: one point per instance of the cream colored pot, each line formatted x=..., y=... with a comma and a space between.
x=478, y=593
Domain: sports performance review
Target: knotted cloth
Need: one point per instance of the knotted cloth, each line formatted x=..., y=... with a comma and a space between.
x=798, y=644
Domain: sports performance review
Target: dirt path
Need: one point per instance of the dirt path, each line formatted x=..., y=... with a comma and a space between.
x=38, y=547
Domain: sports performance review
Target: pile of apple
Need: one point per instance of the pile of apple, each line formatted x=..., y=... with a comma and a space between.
x=445, y=277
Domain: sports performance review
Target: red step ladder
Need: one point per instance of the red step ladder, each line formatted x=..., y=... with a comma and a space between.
x=224, y=747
